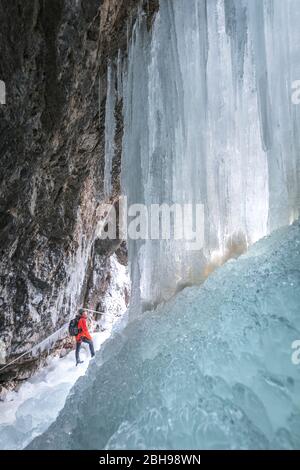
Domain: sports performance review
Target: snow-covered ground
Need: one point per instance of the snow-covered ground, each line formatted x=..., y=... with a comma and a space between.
x=29, y=412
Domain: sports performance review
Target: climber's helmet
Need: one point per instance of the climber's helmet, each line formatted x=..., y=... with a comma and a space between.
x=82, y=312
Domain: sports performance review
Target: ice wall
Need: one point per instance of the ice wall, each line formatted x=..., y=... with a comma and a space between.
x=209, y=119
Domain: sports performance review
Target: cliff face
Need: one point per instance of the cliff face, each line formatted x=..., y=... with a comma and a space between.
x=52, y=162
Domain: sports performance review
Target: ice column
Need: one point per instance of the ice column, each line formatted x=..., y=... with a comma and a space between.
x=110, y=128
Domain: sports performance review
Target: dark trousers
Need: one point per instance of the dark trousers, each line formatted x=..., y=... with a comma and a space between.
x=78, y=346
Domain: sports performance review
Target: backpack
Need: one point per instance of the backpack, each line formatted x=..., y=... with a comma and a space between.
x=73, y=327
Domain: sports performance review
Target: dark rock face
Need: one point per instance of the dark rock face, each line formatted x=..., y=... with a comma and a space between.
x=50, y=174
x=52, y=54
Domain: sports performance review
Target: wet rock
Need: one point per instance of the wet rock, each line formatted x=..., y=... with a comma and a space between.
x=52, y=55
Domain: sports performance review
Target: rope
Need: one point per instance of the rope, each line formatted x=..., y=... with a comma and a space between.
x=37, y=346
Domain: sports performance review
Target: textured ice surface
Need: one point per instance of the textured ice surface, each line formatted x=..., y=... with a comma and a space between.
x=210, y=369
x=209, y=119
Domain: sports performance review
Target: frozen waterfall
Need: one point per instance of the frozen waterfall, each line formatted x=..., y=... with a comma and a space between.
x=209, y=119
x=211, y=369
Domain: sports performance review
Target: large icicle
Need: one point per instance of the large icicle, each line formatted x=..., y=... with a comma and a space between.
x=213, y=368
x=209, y=118
x=110, y=128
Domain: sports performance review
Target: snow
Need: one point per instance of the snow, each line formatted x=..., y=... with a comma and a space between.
x=208, y=118
x=210, y=369
x=27, y=413
x=21, y=417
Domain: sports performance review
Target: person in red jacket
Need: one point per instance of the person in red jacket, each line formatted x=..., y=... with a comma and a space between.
x=83, y=336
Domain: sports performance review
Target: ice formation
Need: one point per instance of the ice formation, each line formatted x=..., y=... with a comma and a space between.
x=209, y=117
x=210, y=369
x=29, y=412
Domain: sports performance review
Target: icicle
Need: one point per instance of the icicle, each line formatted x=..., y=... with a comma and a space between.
x=209, y=118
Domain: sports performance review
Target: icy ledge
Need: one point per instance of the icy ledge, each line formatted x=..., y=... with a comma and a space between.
x=210, y=369
x=29, y=412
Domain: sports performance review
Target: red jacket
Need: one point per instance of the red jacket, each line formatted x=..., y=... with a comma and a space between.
x=84, y=332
